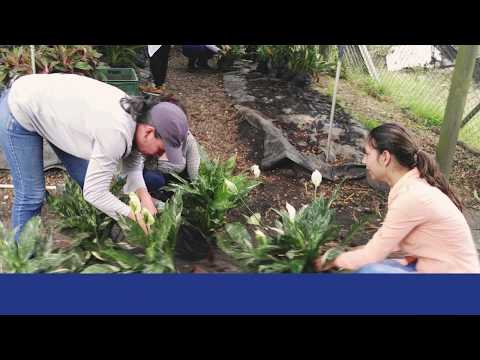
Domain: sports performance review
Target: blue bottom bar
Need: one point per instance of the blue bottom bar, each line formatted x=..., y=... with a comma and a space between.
x=223, y=294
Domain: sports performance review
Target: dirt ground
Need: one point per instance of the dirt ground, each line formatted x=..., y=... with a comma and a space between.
x=218, y=130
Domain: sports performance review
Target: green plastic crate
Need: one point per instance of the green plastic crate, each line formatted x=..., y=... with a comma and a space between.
x=123, y=78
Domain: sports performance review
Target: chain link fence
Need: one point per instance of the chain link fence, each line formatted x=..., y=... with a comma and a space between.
x=417, y=77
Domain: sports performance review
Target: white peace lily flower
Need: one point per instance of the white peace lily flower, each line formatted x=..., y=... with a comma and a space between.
x=134, y=203
x=316, y=178
x=256, y=170
x=147, y=217
x=231, y=186
x=254, y=219
x=291, y=212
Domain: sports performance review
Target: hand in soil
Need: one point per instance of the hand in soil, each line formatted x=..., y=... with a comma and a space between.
x=321, y=264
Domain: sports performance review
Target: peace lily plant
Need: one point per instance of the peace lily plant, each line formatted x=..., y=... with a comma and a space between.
x=293, y=244
x=217, y=190
x=154, y=235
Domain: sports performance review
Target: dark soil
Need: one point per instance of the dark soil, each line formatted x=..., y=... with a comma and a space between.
x=278, y=98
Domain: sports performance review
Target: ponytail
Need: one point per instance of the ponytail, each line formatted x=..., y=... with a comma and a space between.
x=430, y=171
x=139, y=106
x=398, y=141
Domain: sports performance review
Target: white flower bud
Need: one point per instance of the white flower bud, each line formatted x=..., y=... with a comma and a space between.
x=291, y=212
x=256, y=170
x=316, y=178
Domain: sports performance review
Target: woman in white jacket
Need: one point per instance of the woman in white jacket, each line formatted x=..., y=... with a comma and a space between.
x=93, y=129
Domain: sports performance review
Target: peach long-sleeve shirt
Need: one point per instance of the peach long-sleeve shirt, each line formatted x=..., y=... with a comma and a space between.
x=424, y=223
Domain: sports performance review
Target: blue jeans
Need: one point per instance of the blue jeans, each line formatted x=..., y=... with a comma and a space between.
x=154, y=180
x=23, y=151
x=389, y=266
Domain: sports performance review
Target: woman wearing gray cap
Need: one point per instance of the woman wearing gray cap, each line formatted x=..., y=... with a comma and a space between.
x=92, y=130
x=157, y=170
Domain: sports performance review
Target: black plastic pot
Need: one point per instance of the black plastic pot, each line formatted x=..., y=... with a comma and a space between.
x=191, y=244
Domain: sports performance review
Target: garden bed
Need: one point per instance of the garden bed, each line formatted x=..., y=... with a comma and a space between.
x=215, y=124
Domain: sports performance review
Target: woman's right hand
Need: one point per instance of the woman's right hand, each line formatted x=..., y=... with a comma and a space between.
x=321, y=265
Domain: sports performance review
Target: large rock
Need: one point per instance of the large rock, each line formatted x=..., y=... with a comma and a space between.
x=277, y=149
x=236, y=86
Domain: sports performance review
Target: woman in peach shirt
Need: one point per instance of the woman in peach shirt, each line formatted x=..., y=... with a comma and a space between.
x=424, y=217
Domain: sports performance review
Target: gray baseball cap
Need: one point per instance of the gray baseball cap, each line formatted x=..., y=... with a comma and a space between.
x=171, y=124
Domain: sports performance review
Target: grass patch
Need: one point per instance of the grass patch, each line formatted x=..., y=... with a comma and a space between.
x=421, y=94
x=470, y=133
x=425, y=97
x=368, y=123
x=330, y=86
x=368, y=85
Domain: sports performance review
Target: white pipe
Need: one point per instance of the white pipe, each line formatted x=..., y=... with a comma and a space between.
x=32, y=57
x=8, y=186
x=332, y=111
x=368, y=61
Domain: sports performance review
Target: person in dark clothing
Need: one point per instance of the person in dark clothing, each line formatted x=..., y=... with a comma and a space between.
x=159, y=62
x=198, y=55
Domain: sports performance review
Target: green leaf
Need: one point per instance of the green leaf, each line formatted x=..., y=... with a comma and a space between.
x=48, y=263
x=229, y=165
x=124, y=258
x=331, y=254
x=238, y=233
x=100, y=269
x=29, y=267
x=355, y=228
x=297, y=265
x=156, y=268
x=29, y=237
x=82, y=66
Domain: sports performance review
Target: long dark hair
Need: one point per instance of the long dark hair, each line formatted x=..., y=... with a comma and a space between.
x=139, y=106
x=398, y=141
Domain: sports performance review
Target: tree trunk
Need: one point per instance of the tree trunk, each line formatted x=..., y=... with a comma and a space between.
x=461, y=80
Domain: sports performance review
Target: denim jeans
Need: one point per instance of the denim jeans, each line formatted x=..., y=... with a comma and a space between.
x=388, y=266
x=23, y=151
x=154, y=180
